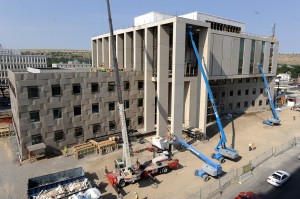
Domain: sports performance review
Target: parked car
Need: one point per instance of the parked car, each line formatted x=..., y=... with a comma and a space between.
x=247, y=195
x=278, y=178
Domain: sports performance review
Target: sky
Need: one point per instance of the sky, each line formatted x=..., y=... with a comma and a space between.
x=70, y=24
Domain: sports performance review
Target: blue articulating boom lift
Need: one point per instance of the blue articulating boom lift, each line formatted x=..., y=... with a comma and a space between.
x=221, y=148
x=275, y=119
x=209, y=168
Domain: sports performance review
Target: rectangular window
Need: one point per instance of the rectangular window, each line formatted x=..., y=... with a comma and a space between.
x=230, y=106
x=140, y=85
x=241, y=56
x=126, y=86
x=254, y=91
x=261, y=90
x=36, y=139
x=127, y=122
x=245, y=104
x=269, y=79
x=267, y=102
x=76, y=89
x=95, y=108
x=262, y=53
x=58, y=136
x=78, y=131
x=34, y=116
x=239, y=92
x=112, y=126
x=252, y=56
x=95, y=87
x=260, y=102
x=246, y=91
x=223, y=94
x=240, y=80
x=126, y=104
x=253, y=103
x=247, y=80
x=231, y=93
x=77, y=110
x=57, y=113
x=140, y=120
x=111, y=106
x=111, y=86
x=255, y=79
x=140, y=102
x=56, y=90
x=271, y=57
x=33, y=92
x=238, y=105
x=96, y=128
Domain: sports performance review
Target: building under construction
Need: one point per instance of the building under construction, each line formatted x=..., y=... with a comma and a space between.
x=174, y=92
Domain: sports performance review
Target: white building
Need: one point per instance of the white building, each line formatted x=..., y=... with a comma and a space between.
x=12, y=59
x=284, y=77
x=72, y=64
x=159, y=46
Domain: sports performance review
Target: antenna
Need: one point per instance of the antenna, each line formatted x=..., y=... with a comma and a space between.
x=273, y=31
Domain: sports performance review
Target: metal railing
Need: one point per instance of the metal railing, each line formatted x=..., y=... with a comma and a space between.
x=215, y=189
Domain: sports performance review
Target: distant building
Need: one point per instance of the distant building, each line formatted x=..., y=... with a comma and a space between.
x=72, y=64
x=284, y=77
x=12, y=59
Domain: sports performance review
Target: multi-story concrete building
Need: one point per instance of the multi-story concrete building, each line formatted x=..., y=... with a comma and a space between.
x=72, y=64
x=159, y=47
x=62, y=107
x=159, y=78
x=12, y=59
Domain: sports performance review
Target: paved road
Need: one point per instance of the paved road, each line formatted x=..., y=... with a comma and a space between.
x=287, y=161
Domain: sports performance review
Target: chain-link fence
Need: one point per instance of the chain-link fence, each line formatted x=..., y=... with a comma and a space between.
x=215, y=189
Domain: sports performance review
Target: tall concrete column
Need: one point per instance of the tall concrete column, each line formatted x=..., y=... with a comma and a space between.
x=266, y=57
x=162, y=80
x=178, y=57
x=204, y=49
x=105, y=51
x=128, y=49
x=137, y=50
x=120, y=50
x=99, y=52
x=94, y=54
x=149, y=99
x=275, y=58
x=110, y=53
x=191, y=104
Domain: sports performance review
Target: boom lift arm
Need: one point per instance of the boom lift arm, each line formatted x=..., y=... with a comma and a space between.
x=275, y=119
x=221, y=146
x=209, y=168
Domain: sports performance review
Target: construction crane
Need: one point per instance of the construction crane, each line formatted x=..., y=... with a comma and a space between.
x=209, y=168
x=275, y=119
x=125, y=172
x=221, y=148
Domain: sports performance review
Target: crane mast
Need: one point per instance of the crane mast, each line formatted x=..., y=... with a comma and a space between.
x=126, y=150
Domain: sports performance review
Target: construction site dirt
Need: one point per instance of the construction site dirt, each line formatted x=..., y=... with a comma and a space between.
x=178, y=183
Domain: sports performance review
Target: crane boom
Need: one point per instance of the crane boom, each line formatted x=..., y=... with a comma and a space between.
x=126, y=150
x=224, y=151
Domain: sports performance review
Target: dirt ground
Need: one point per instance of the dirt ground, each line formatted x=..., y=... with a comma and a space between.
x=180, y=183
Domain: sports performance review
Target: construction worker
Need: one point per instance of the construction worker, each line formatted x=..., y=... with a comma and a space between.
x=66, y=149
x=250, y=146
x=253, y=146
x=136, y=196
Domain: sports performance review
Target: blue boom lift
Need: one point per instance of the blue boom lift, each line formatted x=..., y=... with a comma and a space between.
x=221, y=148
x=275, y=119
x=209, y=168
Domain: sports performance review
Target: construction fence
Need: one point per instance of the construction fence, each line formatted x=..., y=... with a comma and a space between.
x=215, y=189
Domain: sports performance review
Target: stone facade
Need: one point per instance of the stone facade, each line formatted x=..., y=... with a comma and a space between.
x=45, y=103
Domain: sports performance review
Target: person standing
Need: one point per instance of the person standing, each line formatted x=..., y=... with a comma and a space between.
x=66, y=149
x=136, y=196
x=250, y=146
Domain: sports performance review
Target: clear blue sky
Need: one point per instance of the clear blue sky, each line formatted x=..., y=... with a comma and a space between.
x=70, y=24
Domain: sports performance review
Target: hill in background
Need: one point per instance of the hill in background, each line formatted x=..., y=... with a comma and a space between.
x=289, y=59
x=57, y=56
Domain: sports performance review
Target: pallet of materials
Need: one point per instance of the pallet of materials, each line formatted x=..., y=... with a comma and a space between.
x=82, y=150
x=105, y=147
x=4, y=132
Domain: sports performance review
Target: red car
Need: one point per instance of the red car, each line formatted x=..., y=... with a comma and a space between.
x=247, y=195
